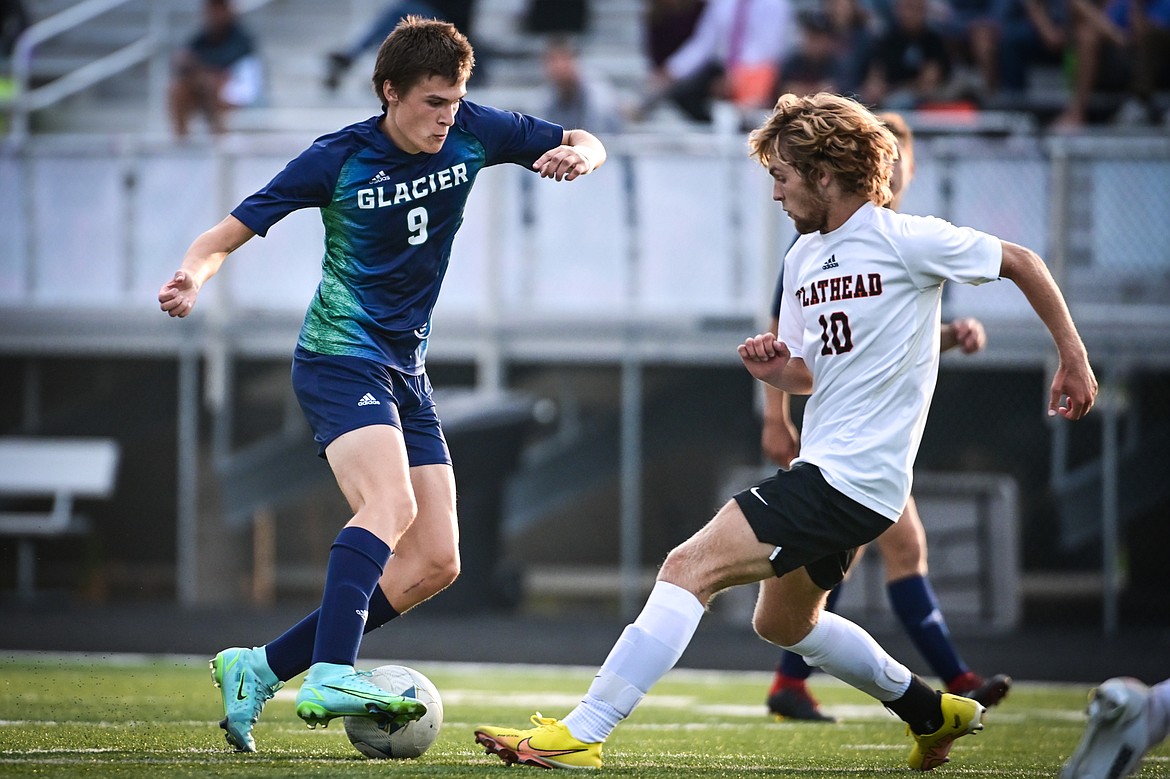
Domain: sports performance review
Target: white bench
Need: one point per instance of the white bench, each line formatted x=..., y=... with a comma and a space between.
x=56, y=471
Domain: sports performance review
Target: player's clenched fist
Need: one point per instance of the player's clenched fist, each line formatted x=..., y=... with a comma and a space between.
x=765, y=357
x=761, y=348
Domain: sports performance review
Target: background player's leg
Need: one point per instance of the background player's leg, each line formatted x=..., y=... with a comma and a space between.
x=913, y=601
x=789, y=696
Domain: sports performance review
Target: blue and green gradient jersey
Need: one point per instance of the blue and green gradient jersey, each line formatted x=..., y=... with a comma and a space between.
x=389, y=221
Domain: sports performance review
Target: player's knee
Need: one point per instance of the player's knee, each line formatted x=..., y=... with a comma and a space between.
x=444, y=570
x=401, y=509
x=778, y=629
x=684, y=569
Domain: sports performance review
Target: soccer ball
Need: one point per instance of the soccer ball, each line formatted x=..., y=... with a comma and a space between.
x=399, y=741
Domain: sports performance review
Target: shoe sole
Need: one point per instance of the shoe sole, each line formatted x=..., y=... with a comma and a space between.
x=233, y=741
x=511, y=757
x=937, y=754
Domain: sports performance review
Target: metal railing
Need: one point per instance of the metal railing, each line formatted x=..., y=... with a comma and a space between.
x=154, y=37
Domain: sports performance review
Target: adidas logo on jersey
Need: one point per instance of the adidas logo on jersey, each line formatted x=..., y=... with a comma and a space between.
x=369, y=400
x=378, y=179
x=830, y=263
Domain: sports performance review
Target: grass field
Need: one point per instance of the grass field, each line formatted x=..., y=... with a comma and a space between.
x=149, y=717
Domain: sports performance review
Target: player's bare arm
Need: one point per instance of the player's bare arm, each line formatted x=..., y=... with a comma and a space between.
x=1074, y=379
x=580, y=153
x=767, y=358
x=966, y=334
x=779, y=438
x=202, y=260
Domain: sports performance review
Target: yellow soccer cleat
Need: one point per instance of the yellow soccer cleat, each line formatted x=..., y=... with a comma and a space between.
x=961, y=717
x=548, y=745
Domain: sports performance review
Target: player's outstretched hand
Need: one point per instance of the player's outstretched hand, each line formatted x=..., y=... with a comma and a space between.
x=1075, y=384
x=177, y=296
x=765, y=357
x=564, y=163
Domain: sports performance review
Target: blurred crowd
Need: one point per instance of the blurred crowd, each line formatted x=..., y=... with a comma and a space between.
x=1105, y=60
x=1069, y=63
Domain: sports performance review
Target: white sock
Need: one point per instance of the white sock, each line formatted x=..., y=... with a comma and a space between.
x=1159, y=712
x=844, y=650
x=646, y=650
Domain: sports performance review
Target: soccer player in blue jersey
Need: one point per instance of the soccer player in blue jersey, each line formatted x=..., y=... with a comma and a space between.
x=391, y=191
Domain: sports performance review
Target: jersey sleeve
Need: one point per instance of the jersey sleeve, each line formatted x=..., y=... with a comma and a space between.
x=508, y=136
x=935, y=250
x=306, y=182
x=791, y=315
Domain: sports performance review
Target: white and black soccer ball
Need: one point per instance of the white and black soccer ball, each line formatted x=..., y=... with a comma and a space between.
x=405, y=741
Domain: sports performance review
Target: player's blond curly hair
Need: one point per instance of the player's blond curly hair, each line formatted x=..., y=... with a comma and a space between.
x=827, y=133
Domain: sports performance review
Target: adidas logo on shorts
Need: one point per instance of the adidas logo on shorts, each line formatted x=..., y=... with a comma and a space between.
x=369, y=400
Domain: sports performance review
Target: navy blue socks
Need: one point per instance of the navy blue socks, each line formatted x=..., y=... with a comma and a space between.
x=914, y=601
x=356, y=561
x=292, y=652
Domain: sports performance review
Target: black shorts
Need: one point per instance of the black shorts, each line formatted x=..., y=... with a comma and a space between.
x=811, y=524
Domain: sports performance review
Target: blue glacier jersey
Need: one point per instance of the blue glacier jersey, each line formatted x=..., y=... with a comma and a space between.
x=390, y=218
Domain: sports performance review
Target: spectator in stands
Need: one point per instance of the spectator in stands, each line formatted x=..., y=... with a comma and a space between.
x=734, y=54
x=457, y=12
x=813, y=67
x=998, y=40
x=1033, y=31
x=910, y=66
x=13, y=21
x=575, y=98
x=217, y=70
x=855, y=30
x=669, y=23
x=1124, y=44
x=971, y=29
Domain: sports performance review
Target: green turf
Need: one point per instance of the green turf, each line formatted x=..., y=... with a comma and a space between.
x=135, y=717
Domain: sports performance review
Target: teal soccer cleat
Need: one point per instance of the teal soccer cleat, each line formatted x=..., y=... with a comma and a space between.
x=245, y=684
x=331, y=690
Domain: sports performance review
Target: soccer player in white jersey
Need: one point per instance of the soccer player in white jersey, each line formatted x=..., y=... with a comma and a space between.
x=859, y=333
x=391, y=191
x=903, y=546
x=1126, y=720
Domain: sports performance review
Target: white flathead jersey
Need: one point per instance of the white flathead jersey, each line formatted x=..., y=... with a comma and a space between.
x=861, y=307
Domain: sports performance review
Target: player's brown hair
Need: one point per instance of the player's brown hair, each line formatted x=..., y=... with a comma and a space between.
x=831, y=134
x=419, y=48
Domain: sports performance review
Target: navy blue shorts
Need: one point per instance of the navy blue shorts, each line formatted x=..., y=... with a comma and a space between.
x=340, y=393
x=811, y=524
